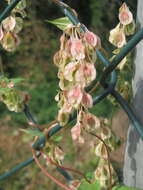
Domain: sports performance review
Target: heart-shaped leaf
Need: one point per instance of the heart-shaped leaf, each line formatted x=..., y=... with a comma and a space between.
x=61, y=23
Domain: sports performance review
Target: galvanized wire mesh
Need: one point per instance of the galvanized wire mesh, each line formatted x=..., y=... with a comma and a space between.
x=109, y=88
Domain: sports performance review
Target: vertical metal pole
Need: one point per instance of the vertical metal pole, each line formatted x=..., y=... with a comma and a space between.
x=133, y=164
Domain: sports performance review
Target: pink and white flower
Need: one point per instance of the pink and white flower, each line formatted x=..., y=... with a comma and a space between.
x=69, y=70
x=67, y=108
x=77, y=49
x=76, y=131
x=74, y=96
x=91, y=122
x=9, y=23
x=125, y=16
x=117, y=37
x=67, y=49
x=92, y=39
x=87, y=100
x=85, y=74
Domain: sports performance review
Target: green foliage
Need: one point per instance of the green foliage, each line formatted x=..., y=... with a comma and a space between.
x=33, y=61
x=85, y=185
x=61, y=23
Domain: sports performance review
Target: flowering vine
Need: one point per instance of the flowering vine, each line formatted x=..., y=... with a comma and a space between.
x=76, y=62
x=126, y=27
x=118, y=37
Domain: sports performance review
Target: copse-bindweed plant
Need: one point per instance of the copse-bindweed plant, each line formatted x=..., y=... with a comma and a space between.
x=77, y=62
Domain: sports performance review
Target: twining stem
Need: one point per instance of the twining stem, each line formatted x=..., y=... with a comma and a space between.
x=42, y=127
x=108, y=158
x=47, y=174
x=66, y=168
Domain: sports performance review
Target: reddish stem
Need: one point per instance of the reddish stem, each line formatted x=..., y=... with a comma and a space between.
x=66, y=168
x=108, y=158
x=47, y=174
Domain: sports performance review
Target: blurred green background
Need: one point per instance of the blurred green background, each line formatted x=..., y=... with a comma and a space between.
x=33, y=62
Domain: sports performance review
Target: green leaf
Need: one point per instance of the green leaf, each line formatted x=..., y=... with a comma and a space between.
x=33, y=132
x=125, y=188
x=85, y=185
x=61, y=23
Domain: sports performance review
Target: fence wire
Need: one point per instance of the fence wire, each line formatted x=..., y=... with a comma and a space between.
x=108, y=88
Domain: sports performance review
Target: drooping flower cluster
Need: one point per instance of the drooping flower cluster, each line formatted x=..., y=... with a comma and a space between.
x=102, y=174
x=86, y=121
x=53, y=153
x=11, y=26
x=126, y=27
x=9, y=95
x=76, y=63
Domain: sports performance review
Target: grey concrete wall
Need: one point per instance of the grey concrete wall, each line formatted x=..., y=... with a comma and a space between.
x=133, y=162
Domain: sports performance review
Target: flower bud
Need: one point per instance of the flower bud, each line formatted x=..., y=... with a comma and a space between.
x=76, y=131
x=74, y=96
x=92, y=39
x=125, y=16
x=87, y=100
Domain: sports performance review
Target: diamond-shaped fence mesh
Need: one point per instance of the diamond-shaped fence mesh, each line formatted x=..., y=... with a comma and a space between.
x=109, y=88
